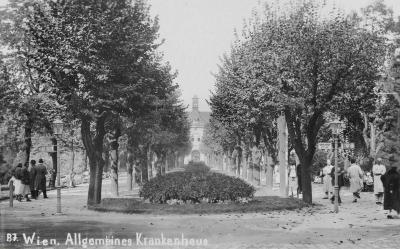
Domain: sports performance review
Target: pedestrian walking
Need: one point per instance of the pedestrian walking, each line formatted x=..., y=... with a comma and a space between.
x=378, y=170
x=340, y=182
x=327, y=180
x=40, y=180
x=355, y=174
x=391, y=185
x=25, y=181
x=32, y=178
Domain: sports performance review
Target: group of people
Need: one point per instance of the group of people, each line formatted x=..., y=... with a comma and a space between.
x=29, y=179
x=386, y=183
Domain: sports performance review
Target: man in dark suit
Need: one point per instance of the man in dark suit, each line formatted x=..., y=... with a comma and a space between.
x=40, y=180
x=32, y=178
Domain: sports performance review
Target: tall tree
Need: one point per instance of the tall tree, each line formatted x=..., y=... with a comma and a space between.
x=306, y=66
x=99, y=58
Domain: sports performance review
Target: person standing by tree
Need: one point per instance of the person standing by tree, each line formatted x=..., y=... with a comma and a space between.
x=391, y=184
x=355, y=174
x=40, y=180
x=19, y=187
x=32, y=177
x=25, y=181
x=378, y=170
x=327, y=188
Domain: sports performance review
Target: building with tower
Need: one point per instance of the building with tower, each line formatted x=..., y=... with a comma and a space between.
x=198, y=119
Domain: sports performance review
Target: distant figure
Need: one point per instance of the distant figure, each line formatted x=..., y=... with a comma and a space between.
x=355, y=174
x=327, y=187
x=71, y=179
x=391, y=184
x=277, y=176
x=378, y=170
x=292, y=179
x=340, y=182
x=32, y=178
x=40, y=181
x=25, y=181
x=368, y=182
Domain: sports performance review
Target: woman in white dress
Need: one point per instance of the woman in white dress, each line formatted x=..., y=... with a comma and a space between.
x=327, y=187
x=18, y=186
x=378, y=170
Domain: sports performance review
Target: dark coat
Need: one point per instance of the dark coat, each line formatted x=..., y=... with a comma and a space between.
x=391, y=185
x=340, y=177
x=32, y=177
x=25, y=176
x=40, y=180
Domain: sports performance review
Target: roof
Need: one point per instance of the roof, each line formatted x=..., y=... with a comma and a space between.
x=199, y=118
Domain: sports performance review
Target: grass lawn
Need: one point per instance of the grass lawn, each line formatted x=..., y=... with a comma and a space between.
x=259, y=204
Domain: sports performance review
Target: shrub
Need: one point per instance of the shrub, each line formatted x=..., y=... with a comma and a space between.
x=194, y=187
x=197, y=167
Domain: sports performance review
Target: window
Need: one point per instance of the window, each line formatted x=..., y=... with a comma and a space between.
x=198, y=139
x=192, y=139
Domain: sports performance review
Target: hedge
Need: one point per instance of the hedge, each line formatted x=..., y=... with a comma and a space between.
x=195, y=187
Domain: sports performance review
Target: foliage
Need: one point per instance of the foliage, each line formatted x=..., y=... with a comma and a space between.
x=197, y=168
x=302, y=65
x=194, y=186
x=97, y=62
x=319, y=161
x=258, y=204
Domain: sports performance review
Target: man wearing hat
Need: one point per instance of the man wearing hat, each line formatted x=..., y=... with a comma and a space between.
x=40, y=181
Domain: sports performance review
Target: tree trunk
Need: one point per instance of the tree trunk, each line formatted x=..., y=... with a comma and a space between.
x=27, y=141
x=54, y=162
x=73, y=156
x=94, y=149
x=149, y=164
x=261, y=169
x=95, y=182
x=269, y=173
x=165, y=164
x=114, y=162
x=129, y=170
x=306, y=178
x=176, y=160
x=372, y=146
x=283, y=155
x=305, y=155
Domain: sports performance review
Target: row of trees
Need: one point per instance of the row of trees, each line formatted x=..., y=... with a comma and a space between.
x=309, y=67
x=94, y=64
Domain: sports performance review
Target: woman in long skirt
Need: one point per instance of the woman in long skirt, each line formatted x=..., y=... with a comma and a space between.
x=19, y=186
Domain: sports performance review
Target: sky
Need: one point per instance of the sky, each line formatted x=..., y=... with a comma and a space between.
x=198, y=32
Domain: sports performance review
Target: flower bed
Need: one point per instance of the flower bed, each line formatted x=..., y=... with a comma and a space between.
x=195, y=186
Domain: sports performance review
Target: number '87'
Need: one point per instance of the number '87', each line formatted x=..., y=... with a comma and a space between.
x=11, y=237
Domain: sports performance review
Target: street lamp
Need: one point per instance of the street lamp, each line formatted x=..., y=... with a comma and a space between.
x=58, y=126
x=336, y=127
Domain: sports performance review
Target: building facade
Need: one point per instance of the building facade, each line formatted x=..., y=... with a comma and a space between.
x=198, y=120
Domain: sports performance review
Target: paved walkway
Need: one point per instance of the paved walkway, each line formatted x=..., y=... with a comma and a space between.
x=357, y=225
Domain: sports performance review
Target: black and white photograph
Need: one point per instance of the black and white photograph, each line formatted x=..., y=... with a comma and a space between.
x=215, y=124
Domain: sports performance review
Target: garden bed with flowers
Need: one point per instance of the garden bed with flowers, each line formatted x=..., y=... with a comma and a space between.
x=197, y=190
